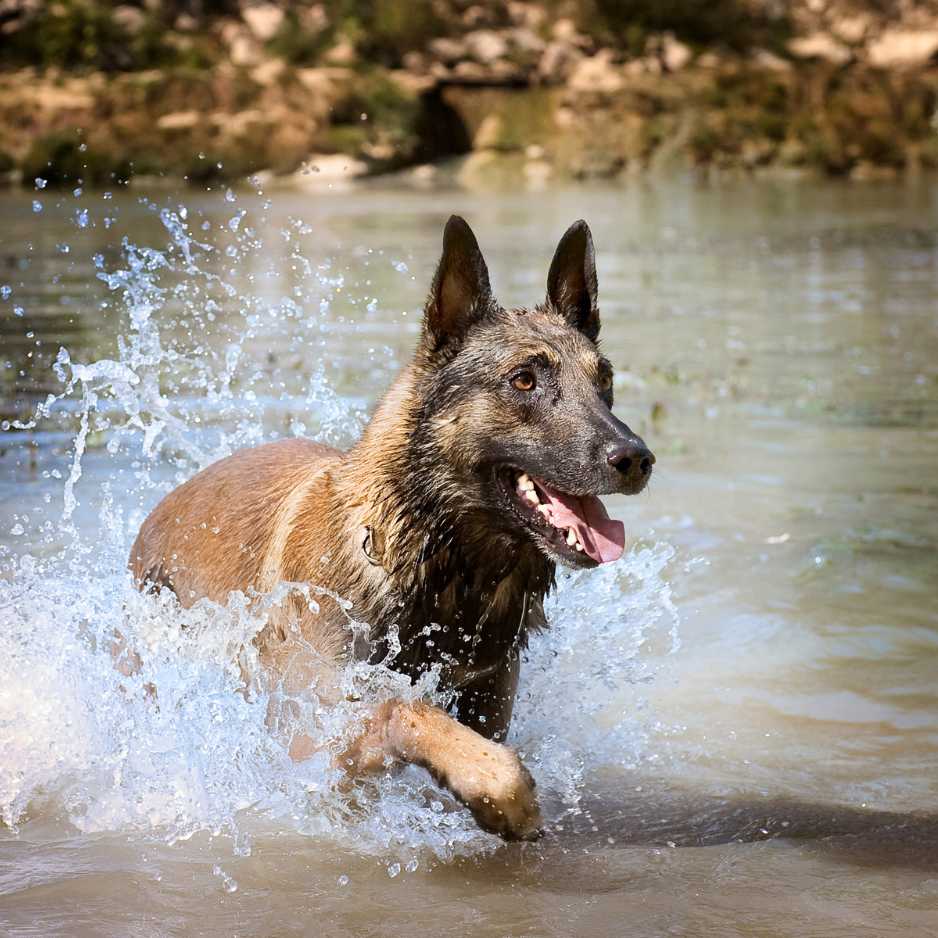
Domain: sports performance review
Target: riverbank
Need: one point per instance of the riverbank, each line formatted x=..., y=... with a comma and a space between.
x=847, y=96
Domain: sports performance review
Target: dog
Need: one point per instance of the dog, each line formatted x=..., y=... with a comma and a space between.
x=480, y=471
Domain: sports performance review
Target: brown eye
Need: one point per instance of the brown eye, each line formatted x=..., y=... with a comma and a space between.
x=524, y=381
x=605, y=383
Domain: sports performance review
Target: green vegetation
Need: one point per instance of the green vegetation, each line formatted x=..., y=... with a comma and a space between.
x=63, y=159
x=734, y=24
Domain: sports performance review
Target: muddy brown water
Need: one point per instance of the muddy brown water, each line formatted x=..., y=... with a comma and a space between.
x=736, y=734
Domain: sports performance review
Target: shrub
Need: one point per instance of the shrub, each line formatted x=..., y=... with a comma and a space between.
x=60, y=160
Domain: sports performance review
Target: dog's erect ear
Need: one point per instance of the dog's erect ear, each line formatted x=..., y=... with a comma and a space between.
x=571, y=283
x=460, y=294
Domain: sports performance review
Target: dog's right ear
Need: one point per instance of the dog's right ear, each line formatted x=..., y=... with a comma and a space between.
x=460, y=294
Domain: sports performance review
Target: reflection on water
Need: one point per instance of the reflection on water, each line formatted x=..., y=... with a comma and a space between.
x=735, y=732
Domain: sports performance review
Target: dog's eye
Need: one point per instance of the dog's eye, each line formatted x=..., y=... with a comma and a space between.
x=524, y=381
x=605, y=383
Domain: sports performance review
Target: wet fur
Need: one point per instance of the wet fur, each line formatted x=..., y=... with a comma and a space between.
x=404, y=526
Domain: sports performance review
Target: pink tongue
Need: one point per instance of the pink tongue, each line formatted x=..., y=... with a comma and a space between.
x=602, y=538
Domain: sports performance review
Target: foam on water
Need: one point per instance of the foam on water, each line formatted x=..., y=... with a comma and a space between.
x=81, y=742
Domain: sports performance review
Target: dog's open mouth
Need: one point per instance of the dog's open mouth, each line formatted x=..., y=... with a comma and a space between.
x=574, y=527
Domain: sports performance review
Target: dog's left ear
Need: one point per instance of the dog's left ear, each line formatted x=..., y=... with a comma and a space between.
x=571, y=283
x=460, y=294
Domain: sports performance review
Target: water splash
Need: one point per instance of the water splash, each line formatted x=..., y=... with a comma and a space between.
x=189, y=383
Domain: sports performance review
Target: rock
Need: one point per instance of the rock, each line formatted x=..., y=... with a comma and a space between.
x=792, y=152
x=244, y=51
x=243, y=48
x=130, y=19
x=473, y=72
x=527, y=14
x=240, y=124
x=865, y=171
x=342, y=53
x=269, y=73
x=527, y=42
x=327, y=169
x=486, y=46
x=448, y=51
x=264, y=20
x=674, y=54
x=313, y=19
x=898, y=48
x=476, y=16
x=564, y=30
x=820, y=46
x=852, y=29
x=316, y=80
x=597, y=73
x=424, y=174
x=179, y=120
x=770, y=61
x=709, y=60
x=557, y=61
x=650, y=65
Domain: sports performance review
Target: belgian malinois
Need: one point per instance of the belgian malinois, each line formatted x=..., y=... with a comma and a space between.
x=479, y=472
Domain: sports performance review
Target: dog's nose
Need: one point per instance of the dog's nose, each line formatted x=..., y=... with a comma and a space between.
x=631, y=455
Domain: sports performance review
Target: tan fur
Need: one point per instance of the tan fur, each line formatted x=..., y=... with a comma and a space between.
x=297, y=511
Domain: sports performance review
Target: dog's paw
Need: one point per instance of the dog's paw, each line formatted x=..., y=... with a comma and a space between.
x=500, y=793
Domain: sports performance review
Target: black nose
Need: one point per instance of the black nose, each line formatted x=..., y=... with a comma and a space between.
x=629, y=455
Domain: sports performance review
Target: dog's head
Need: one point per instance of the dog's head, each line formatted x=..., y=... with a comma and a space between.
x=518, y=403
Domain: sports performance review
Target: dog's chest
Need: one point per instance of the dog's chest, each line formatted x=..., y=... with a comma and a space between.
x=465, y=629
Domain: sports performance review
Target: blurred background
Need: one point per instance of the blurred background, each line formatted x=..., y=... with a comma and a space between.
x=197, y=89
x=218, y=228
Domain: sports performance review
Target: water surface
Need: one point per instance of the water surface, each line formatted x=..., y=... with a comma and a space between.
x=735, y=730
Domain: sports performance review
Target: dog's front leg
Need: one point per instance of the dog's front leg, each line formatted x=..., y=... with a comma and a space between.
x=485, y=776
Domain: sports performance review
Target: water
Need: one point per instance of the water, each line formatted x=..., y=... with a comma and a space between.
x=734, y=730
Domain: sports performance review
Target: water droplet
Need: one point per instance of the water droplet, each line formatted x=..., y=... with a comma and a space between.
x=394, y=869
x=230, y=196
x=399, y=266
x=62, y=248
x=77, y=192
x=19, y=311
x=81, y=218
x=37, y=205
x=228, y=883
x=40, y=182
x=5, y=291
x=343, y=880
x=17, y=530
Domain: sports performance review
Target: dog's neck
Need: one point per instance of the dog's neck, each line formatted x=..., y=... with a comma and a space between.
x=457, y=590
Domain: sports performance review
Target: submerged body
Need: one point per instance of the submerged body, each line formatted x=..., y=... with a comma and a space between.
x=479, y=471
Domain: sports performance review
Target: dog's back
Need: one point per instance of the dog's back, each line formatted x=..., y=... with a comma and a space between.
x=222, y=530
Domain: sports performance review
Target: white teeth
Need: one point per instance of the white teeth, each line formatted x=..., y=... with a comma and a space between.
x=579, y=547
x=544, y=510
x=571, y=537
x=531, y=496
x=525, y=483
